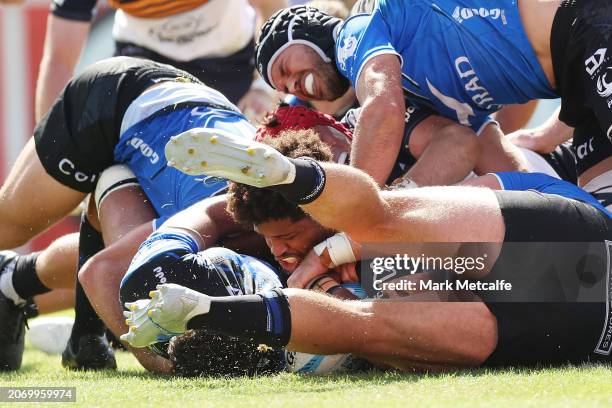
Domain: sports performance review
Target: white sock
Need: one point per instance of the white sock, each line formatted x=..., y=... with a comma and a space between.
x=6, y=283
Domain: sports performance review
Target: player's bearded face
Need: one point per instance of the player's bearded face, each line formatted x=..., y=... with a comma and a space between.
x=289, y=241
x=300, y=71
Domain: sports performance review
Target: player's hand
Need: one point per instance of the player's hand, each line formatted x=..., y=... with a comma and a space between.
x=255, y=103
x=164, y=316
x=307, y=270
x=530, y=139
x=347, y=272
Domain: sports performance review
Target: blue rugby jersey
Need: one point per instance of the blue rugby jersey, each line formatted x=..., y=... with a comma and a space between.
x=147, y=128
x=462, y=58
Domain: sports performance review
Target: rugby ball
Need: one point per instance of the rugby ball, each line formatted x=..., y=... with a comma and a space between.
x=50, y=334
x=305, y=363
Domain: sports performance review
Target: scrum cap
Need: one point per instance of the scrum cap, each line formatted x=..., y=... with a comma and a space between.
x=295, y=25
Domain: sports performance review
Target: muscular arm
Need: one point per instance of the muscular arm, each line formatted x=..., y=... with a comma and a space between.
x=59, y=59
x=379, y=130
x=436, y=214
x=546, y=137
x=265, y=8
x=208, y=218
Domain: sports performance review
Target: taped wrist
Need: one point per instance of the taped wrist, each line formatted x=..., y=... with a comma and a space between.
x=339, y=249
x=264, y=318
x=307, y=185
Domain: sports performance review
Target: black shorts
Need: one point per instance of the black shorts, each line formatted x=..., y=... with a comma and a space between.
x=76, y=139
x=581, y=47
x=556, y=254
x=563, y=161
x=231, y=75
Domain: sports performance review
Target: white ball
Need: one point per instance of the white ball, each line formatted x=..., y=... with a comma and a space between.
x=305, y=363
x=50, y=334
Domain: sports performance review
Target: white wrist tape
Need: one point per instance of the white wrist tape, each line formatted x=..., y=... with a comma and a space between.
x=339, y=249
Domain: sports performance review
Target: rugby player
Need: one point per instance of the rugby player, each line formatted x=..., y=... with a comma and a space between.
x=121, y=110
x=593, y=153
x=554, y=323
x=511, y=52
x=100, y=277
x=214, y=43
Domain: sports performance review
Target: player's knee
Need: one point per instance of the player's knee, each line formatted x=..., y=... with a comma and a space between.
x=94, y=273
x=462, y=141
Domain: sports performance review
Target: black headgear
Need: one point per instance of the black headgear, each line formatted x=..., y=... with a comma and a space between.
x=295, y=25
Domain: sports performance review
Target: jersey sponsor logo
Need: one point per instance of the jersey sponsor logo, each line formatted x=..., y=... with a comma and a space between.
x=68, y=168
x=463, y=110
x=593, y=63
x=409, y=111
x=464, y=13
x=180, y=30
x=146, y=150
x=584, y=149
x=346, y=50
x=604, y=87
x=159, y=274
x=479, y=94
x=604, y=345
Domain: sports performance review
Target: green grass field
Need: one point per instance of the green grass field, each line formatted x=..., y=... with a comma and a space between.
x=131, y=386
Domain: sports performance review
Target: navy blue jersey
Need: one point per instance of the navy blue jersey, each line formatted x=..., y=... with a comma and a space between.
x=463, y=58
x=549, y=185
x=173, y=256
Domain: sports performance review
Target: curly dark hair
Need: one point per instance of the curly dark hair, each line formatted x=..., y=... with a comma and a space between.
x=198, y=353
x=252, y=206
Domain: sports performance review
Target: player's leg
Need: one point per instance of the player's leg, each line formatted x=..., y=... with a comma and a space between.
x=116, y=191
x=54, y=301
x=337, y=195
x=401, y=333
x=31, y=200
x=23, y=277
x=125, y=217
x=101, y=277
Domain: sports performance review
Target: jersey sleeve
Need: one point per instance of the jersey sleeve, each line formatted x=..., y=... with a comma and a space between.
x=361, y=38
x=78, y=10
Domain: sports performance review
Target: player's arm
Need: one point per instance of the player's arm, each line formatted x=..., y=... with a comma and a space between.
x=59, y=59
x=265, y=8
x=209, y=219
x=544, y=138
x=380, y=127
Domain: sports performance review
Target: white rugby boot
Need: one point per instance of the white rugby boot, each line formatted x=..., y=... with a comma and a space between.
x=215, y=152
